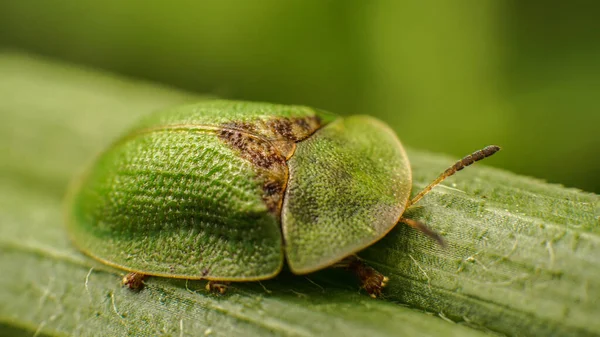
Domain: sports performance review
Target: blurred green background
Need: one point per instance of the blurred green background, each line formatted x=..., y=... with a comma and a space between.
x=448, y=76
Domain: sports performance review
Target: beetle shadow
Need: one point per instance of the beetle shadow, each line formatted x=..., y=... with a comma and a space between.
x=322, y=286
x=390, y=256
x=330, y=285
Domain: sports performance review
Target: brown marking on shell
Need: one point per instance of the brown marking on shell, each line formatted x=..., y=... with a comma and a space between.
x=282, y=132
x=285, y=147
x=294, y=129
x=283, y=128
x=270, y=164
x=286, y=132
x=268, y=144
x=258, y=151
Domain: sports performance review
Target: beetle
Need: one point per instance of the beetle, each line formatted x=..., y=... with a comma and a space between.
x=225, y=191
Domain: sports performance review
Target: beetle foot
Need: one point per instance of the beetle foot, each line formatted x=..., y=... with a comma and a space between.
x=370, y=279
x=134, y=281
x=219, y=287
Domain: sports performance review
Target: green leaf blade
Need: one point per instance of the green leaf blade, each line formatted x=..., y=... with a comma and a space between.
x=523, y=256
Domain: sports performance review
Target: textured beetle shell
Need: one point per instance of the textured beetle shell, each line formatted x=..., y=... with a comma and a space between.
x=349, y=184
x=198, y=191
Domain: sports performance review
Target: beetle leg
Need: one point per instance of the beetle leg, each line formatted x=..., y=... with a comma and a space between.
x=134, y=281
x=418, y=225
x=370, y=279
x=217, y=286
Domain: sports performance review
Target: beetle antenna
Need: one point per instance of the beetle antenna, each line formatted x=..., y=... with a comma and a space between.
x=459, y=165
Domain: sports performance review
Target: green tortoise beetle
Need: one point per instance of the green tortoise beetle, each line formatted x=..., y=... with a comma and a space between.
x=225, y=191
